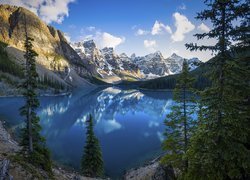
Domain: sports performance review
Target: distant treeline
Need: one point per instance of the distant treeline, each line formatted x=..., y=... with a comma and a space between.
x=7, y=65
x=49, y=81
x=169, y=82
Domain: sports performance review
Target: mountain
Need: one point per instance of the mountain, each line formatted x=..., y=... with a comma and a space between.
x=152, y=65
x=106, y=63
x=62, y=64
x=56, y=61
x=198, y=71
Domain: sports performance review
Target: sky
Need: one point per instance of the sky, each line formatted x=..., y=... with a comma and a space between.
x=130, y=26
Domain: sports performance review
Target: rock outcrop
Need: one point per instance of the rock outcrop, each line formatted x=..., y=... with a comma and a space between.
x=70, y=64
x=57, y=59
x=106, y=63
x=10, y=167
x=151, y=171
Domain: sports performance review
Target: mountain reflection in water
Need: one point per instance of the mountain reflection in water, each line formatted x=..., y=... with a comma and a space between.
x=128, y=124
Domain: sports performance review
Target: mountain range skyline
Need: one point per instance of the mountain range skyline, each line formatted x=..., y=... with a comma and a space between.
x=140, y=27
x=107, y=63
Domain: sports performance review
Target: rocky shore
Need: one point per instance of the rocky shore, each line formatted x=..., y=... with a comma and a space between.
x=151, y=171
x=21, y=170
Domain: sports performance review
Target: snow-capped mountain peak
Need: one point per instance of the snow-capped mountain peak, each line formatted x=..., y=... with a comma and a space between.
x=176, y=57
x=108, y=51
x=106, y=63
x=123, y=55
x=90, y=44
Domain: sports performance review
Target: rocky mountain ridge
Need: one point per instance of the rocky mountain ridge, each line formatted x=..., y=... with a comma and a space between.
x=107, y=63
x=79, y=63
x=56, y=59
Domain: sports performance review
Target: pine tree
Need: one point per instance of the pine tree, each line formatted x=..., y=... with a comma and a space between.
x=242, y=31
x=218, y=148
x=92, y=162
x=180, y=123
x=33, y=144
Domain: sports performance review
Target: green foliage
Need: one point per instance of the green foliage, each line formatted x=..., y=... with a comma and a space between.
x=33, y=144
x=7, y=65
x=33, y=170
x=48, y=81
x=179, y=123
x=92, y=162
x=8, y=80
x=168, y=82
x=220, y=147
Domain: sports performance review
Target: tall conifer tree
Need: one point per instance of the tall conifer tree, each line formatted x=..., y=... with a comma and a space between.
x=180, y=123
x=33, y=143
x=92, y=162
x=218, y=148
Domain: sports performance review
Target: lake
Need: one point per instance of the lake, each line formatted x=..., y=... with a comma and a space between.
x=128, y=124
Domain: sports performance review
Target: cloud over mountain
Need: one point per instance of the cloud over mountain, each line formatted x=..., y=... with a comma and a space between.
x=49, y=10
x=150, y=45
x=160, y=28
x=183, y=26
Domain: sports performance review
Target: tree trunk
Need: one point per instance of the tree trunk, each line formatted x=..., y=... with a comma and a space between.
x=185, y=125
x=221, y=68
x=30, y=130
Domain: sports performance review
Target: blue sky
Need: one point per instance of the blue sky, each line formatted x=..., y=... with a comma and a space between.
x=130, y=26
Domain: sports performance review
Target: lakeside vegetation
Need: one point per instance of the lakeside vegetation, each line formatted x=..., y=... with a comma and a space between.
x=218, y=147
x=215, y=145
x=7, y=65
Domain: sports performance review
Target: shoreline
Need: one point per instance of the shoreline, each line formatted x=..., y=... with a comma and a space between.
x=153, y=170
x=40, y=95
x=156, y=90
x=99, y=87
x=9, y=148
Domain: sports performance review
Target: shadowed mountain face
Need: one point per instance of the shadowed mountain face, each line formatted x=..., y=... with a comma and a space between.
x=57, y=59
x=126, y=122
x=106, y=64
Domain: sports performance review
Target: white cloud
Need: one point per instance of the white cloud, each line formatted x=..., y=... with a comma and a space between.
x=203, y=27
x=67, y=37
x=160, y=28
x=102, y=39
x=182, y=7
x=91, y=28
x=150, y=45
x=141, y=32
x=109, y=40
x=49, y=10
x=183, y=26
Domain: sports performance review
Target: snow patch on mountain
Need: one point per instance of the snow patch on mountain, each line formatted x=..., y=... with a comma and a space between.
x=106, y=63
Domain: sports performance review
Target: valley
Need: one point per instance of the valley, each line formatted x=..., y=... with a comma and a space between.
x=133, y=90
x=63, y=65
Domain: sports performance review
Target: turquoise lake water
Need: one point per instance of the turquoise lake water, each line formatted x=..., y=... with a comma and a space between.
x=128, y=124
